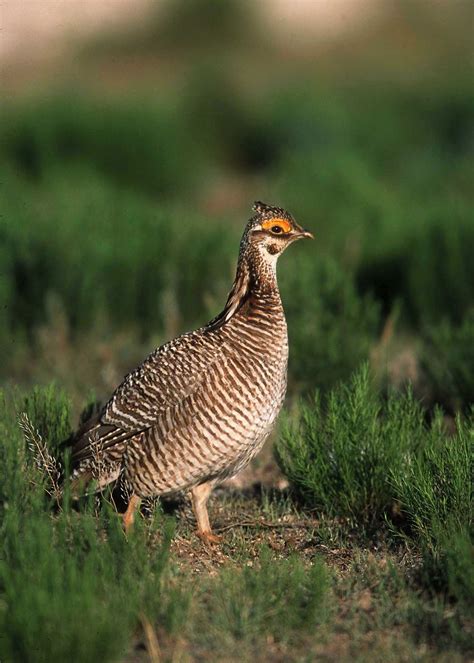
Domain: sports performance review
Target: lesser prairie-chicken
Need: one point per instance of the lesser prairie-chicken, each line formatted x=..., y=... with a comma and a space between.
x=200, y=407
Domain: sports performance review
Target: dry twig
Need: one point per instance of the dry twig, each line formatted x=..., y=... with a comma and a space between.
x=152, y=644
x=263, y=523
x=43, y=460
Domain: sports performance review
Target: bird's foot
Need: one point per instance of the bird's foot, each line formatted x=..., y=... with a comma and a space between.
x=208, y=537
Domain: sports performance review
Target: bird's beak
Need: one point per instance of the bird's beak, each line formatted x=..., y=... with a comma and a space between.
x=302, y=233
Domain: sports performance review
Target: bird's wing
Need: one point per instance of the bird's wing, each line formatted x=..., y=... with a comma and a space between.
x=170, y=374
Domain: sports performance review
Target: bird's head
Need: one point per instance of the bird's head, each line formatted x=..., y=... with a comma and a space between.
x=272, y=229
x=266, y=236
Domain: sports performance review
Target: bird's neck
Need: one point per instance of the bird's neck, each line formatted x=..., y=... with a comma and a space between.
x=262, y=268
x=255, y=282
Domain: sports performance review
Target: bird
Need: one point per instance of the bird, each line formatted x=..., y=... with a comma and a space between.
x=201, y=406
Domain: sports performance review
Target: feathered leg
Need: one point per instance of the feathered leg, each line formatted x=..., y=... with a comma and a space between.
x=129, y=515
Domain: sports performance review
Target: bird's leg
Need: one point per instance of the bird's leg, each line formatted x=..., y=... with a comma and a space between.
x=129, y=515
x=200, y=495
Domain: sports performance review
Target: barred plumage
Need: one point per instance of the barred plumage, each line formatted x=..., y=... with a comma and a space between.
x=201, y=406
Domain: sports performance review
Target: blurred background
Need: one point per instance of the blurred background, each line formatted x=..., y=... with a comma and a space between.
x=135, y=136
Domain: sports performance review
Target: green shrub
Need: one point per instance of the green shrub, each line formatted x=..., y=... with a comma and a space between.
x=27, y=471
x=435, y=492
x=72, y=590
x=331, y=328
x=447, y=361
x=32, y=425
x=103, y=255
x=458, y=561
x=13, y=480
x=436, y=497
x=48, y=409
x=137, y=144
x=400, y=246
x=108, y=255
x=439, y=267
x=387, y=193
x=355, y=455
x=72, y=586
x=421, y=258
x=341, y=455
x=233, y=130
x=435, y=489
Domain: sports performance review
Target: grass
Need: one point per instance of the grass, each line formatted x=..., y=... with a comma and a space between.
x=291, y=583
x=269, y=600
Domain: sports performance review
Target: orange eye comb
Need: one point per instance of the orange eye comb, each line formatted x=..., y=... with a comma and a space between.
x=282, y=223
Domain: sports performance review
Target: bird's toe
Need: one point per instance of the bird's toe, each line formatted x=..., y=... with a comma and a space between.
x=209, y=537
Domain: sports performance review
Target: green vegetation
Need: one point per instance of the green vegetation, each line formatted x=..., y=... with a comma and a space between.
x=69, y=130
x=49, y=409
x=447, y=360
x=355, y=454
x=73, y=586
x=91, y=579
x=274, y=599
x=113, y=258
x=332, y=328
x=344, y=450
x=434, y=483
x=105, y=233
x=107, y=254
x=125, y=188
x=436, y=496
x=376, y=462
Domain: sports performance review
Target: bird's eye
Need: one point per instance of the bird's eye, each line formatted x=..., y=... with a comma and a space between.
x=277, y=226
